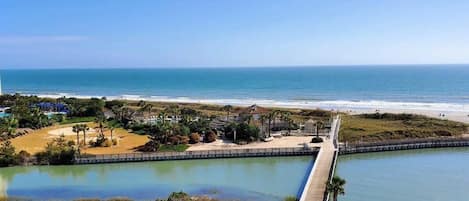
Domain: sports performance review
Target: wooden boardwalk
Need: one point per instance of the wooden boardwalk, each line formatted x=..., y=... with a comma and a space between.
x=315, y=188
x=404, y=145
x=231, y=153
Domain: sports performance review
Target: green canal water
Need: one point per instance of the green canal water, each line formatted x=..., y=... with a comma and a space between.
x=414, y=175
x=257, y=179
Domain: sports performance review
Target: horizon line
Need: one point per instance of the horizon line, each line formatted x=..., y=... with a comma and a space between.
x=233, y=67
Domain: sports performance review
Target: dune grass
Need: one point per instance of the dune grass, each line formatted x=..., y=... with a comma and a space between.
x=382, y=127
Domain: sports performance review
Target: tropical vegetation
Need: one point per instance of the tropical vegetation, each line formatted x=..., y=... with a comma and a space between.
x=8, y=155
x=336, y=187
x=59, y=151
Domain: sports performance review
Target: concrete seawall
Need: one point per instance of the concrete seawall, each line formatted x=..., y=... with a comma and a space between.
x=187, y=155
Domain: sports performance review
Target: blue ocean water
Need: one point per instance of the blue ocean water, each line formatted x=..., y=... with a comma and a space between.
x=437, y=86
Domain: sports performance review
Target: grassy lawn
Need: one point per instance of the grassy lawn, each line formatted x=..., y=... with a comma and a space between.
x=75, y=120
x=171, y=148
x=373, y=127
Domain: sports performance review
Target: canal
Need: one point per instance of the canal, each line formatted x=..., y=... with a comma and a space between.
x=412, y=175
x=256, y=179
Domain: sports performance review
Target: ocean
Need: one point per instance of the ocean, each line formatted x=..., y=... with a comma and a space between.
x=429, y=87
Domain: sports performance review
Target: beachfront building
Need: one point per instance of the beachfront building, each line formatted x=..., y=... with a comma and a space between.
x=50, y=109
x=254, y=112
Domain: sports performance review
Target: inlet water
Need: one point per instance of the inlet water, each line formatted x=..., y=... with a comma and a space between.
x=256, y=179
x=427, y=175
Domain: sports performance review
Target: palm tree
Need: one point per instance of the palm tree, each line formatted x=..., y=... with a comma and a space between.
x=11, y=124
x=336, y=187
x=271, y=116
x=228, y=109
x=248, y=119
x=100, y=120
x=141, y=103
x=84, y=128
x=175, y=112
x=275, y=113
x=262, y=118
x=285, y=116
x=162, y=116
x=319, y=125
x=118, y=112
x=111, y=125
x=77, y=129
x=148, y=107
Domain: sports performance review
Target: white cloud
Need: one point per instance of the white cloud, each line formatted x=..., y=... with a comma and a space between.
x=40, y=39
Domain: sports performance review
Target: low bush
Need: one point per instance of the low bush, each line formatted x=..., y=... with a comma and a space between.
x=194, y=138
x=57, y=152
x=178, y=139
x=316, y=140
x=211, y=136
x=7, y=154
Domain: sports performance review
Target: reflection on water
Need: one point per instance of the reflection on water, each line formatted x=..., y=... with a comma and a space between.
x=260, y=179
x=426, y=174
x=3, y=187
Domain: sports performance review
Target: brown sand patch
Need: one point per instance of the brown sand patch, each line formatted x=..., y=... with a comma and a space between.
x=35, y=141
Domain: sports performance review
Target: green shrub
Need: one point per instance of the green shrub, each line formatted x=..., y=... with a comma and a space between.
x=57, y=152
x=211, y=136
x=184, y=139
x=247, y=132
x=7, y=154
x=316, y=140
x=194, y=138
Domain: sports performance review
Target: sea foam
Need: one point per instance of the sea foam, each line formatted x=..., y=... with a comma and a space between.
x=306, y=104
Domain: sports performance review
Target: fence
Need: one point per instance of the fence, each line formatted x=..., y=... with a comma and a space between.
x=335, y=140
x=403, y=145
x=230, y=153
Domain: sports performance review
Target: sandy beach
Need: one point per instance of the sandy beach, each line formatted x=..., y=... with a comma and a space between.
x=286, y=141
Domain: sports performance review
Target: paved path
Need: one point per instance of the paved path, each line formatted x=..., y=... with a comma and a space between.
x=319, y=176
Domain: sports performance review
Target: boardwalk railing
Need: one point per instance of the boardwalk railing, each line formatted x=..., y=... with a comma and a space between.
x=335, y=141
x=229, y=153
x=403, y=145
x=312, y=177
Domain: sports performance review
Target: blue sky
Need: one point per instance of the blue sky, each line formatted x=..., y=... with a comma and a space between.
x=118, y=33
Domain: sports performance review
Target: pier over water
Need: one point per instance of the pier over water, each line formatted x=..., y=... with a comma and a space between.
x=321, y=173
x=314, y=188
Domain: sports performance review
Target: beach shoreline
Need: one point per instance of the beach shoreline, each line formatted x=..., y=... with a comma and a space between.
x=449, y=111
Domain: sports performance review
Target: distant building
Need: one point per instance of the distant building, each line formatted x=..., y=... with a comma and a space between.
x=254, y=111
